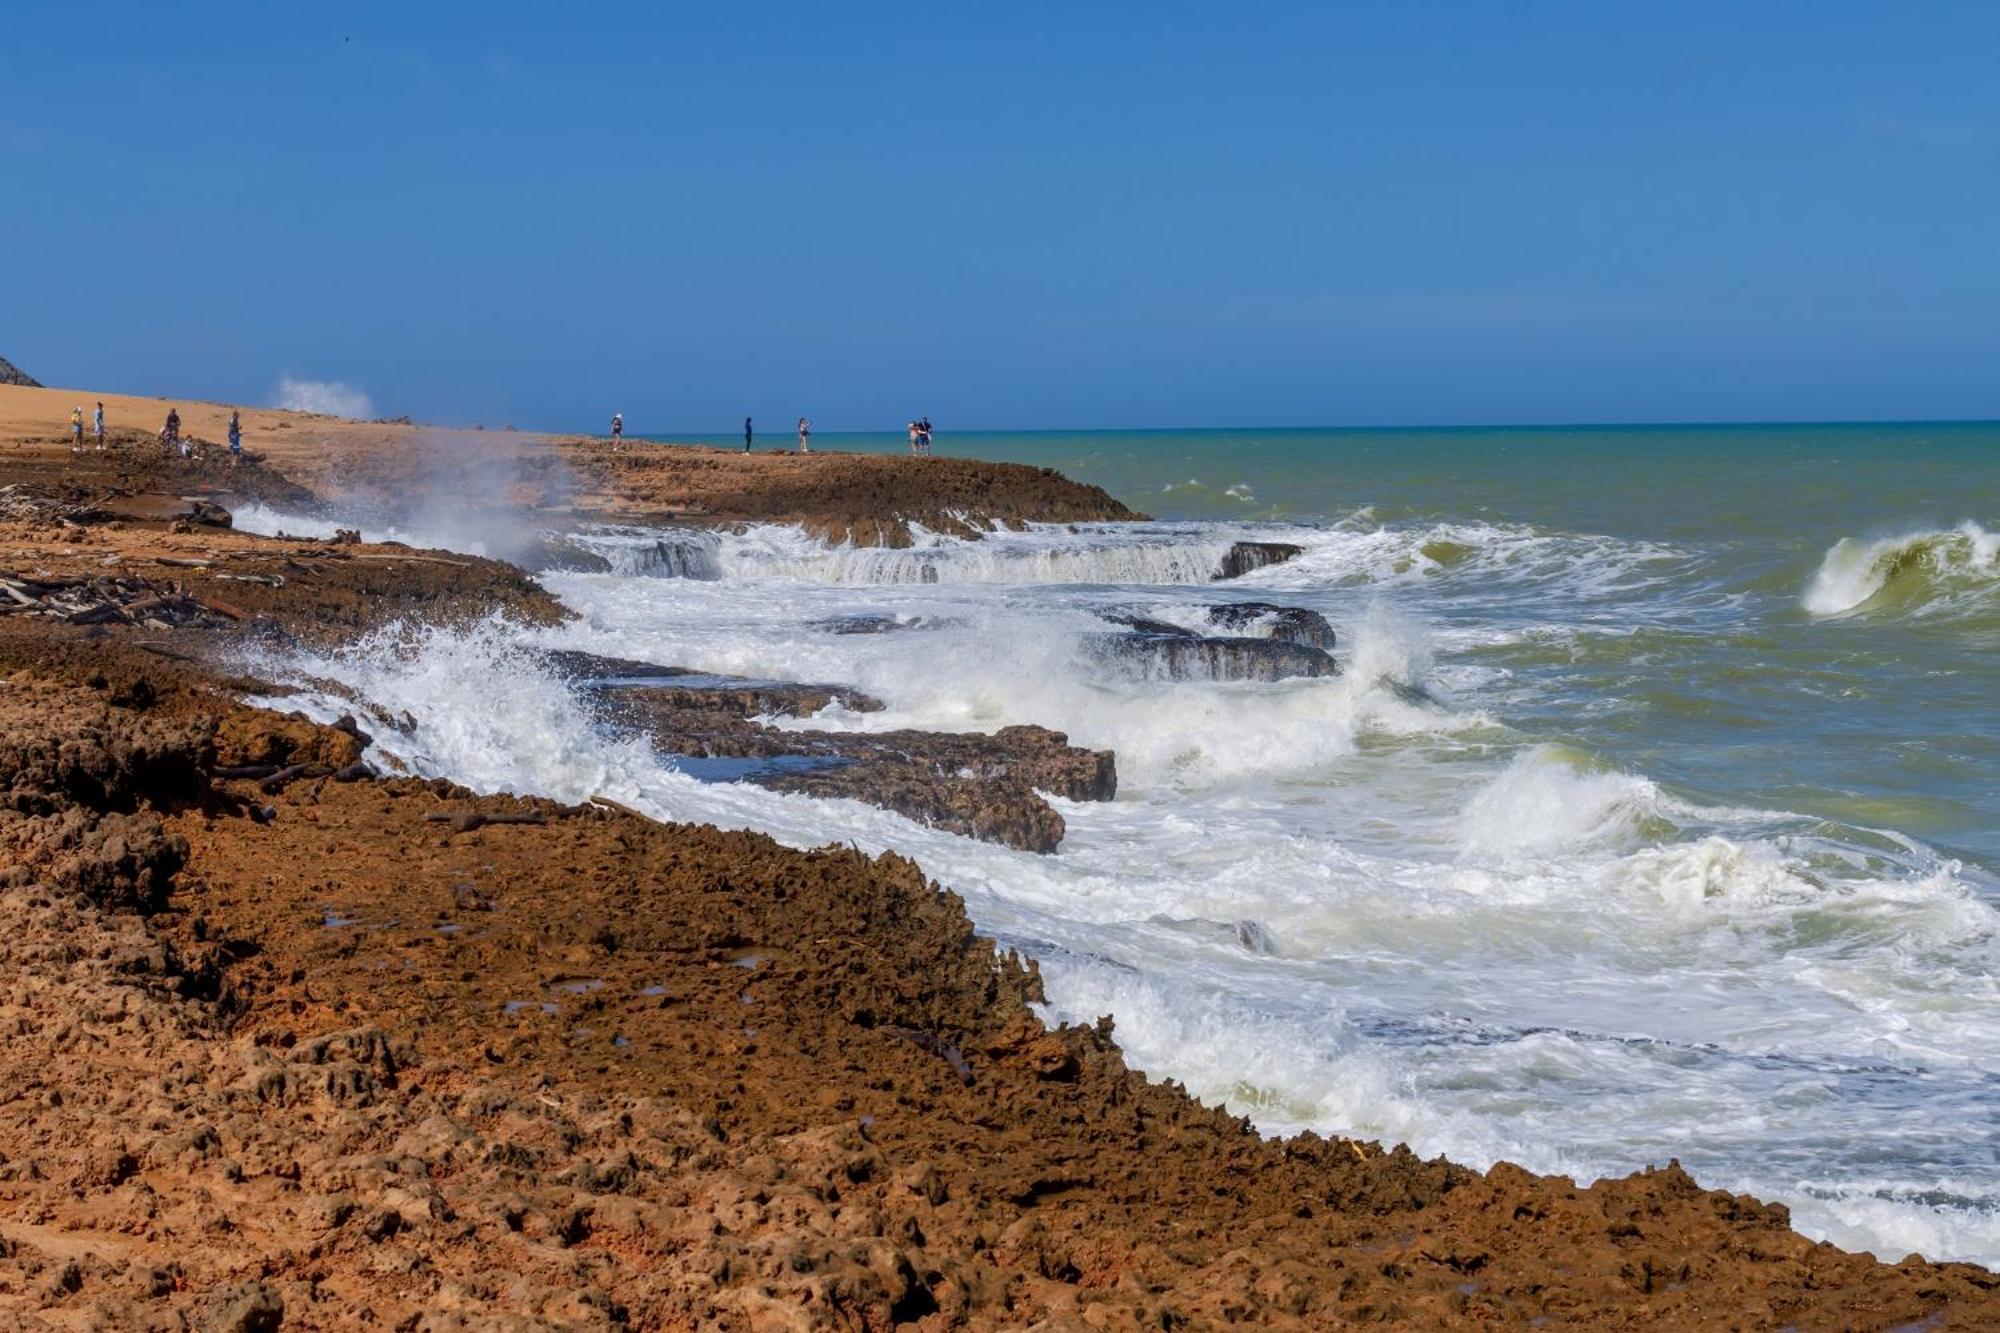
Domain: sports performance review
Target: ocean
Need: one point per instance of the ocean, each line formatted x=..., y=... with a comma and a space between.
x=1655, y=813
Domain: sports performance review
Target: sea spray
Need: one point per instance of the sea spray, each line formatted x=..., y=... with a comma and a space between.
x=1492, y=914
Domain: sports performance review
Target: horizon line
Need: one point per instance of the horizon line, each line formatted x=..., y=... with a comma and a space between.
x=1692, y=424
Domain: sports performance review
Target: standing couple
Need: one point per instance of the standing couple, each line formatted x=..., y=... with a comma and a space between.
x=920, y=436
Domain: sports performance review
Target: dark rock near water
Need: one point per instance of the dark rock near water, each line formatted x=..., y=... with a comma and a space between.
x=13, y=374
x=983, y=786
x=680, y=553
x=1143, y=625
x=1288, y=624
x=151, y=508
x=878, y=624
x=1185, y=656
x=694, y=693
x=1244, y=557
x=546, y=553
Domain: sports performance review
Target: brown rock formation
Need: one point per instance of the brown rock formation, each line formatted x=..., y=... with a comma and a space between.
x=350, y=1066
x=983, y=786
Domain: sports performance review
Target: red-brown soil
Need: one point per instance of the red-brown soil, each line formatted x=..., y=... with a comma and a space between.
x=388, y=467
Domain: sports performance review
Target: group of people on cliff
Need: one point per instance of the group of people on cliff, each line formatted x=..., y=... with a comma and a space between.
x=76, y=428
x=920, y=434
x=171, y=438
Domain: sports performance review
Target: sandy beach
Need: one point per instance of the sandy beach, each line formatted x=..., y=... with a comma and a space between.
x=299, y=1040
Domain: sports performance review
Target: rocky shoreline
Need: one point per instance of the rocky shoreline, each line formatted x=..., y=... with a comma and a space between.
x=296, y=1042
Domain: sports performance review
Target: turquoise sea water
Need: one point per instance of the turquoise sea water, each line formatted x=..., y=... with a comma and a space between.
x=1712, y=672
x=1653, y=812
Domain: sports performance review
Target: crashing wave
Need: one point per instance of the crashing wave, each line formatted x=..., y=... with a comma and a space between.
x=1919, y=570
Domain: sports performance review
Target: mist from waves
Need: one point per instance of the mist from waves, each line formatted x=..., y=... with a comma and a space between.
x=1396, y=903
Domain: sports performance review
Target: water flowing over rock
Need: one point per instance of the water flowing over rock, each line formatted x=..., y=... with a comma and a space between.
x=1244, y=557
x=982, y=786
x=1144, y=656
x=1289, y=624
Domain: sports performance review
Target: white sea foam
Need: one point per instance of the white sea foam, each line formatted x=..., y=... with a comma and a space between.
x=1361, y=903
x=1931, y=567
x=256, y=516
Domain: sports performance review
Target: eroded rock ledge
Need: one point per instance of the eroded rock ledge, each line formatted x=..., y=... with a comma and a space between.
x=330, y=1061
x=984, y=786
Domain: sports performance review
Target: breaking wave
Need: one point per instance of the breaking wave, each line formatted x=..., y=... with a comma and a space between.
x=1152, y=554
x=1917, y=572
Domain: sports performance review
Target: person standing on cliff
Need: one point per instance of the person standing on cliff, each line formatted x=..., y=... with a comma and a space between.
x=76, y=429
x=805, y=436
x=924, y=432
x=617, y=431
x=235, y=438
x=748, y=435
x=97, y=425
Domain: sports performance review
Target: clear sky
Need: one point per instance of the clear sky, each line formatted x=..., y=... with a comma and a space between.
x=1014, y=215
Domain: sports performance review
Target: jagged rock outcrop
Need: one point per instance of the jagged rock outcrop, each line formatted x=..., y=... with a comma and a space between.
x=13, y=374
x=1143, y=656
x=983, y=786
x=1265, y=620
x=1289, y=624
x=1244, y=557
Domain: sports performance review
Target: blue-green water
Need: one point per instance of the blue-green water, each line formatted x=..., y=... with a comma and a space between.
x=1709, y=670
x=1654, y=812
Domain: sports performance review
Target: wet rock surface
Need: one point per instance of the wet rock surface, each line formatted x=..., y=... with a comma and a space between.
x=569, y=1068
x=1288, y=624
x=983, y=786
x=1267, y=642
x=385, y=1053
x=1172, y=653
x=1247, y=557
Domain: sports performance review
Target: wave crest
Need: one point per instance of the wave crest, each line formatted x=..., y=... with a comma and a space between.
x=1917, y=571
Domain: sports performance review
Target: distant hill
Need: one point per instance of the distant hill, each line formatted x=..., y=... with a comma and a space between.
x=13, y=374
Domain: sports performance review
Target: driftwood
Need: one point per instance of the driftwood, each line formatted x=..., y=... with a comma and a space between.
x=937, y=1046
x=243, y=770
x=412, y=559
x=465, y=821
x=606, y=803
x=284, y=777
x=178, y=563
x=109, y=599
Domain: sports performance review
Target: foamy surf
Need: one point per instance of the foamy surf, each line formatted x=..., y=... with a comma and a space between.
x=1919, y=571
x=1542, y=875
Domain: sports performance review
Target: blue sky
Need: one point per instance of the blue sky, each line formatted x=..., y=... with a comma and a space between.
x=1012, y=216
